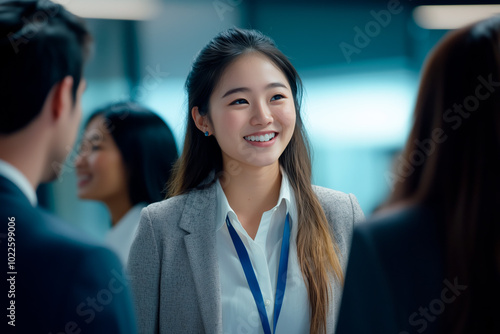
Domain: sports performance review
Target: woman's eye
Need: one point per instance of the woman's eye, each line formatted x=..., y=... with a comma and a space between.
x=95, y=147
x=277, y=97
x=239, y=101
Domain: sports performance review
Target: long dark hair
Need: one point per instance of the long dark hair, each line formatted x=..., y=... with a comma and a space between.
x=201, y=155
x=146, y=145
x=452, y=165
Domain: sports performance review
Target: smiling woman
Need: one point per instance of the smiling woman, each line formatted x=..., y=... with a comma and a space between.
x=259, y=112
x=125, y=160
x=245, y=243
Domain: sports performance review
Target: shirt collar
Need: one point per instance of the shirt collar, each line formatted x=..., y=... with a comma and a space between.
x=18, y=178
x=286, y=195
x=130, y=218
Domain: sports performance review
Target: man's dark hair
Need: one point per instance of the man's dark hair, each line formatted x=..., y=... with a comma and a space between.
x=40, y=44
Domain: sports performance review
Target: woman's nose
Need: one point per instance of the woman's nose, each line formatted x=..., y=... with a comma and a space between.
x=262, y=115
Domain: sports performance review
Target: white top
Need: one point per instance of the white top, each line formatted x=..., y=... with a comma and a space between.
x=239, y=311
x=121, y=236
x=18, y=178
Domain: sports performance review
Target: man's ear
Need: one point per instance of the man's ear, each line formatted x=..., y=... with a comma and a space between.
x=201, y=121
x=63, y=97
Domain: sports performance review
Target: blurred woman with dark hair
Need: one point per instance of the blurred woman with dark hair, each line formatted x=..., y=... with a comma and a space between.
x=430, y=261
x=125, y=161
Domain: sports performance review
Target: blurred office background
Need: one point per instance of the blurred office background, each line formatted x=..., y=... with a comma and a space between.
x=359, y=61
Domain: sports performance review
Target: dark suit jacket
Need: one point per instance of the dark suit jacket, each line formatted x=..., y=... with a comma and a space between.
x=394, y=281
x=63, y=283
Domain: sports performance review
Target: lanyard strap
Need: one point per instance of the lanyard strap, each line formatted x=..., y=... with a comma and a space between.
x=252, y=279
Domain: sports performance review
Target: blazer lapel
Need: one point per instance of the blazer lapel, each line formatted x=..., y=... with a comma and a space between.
x=198, y=220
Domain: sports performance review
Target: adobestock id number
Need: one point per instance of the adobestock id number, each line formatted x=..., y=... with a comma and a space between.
x=11, y=271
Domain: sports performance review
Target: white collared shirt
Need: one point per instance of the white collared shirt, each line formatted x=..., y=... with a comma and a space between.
x=121, y=236
x=239, y=311
x=18, y=178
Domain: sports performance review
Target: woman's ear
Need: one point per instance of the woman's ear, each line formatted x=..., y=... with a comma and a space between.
x=201, y=122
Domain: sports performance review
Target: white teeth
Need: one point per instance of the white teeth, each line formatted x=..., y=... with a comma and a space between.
x=262, y=138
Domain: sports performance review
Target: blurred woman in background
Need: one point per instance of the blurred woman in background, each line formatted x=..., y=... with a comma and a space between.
x=431, y=260
x=125, y=161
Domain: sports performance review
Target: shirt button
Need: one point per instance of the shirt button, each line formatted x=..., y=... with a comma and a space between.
x=267, y=302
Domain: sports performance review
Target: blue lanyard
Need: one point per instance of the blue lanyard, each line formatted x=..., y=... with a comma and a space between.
x=252, y=279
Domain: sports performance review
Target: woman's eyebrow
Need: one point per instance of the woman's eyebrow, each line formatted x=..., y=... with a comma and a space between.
x=246, y=89
x=236, y=90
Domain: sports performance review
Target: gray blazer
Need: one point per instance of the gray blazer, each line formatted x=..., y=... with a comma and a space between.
x=173, y=261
